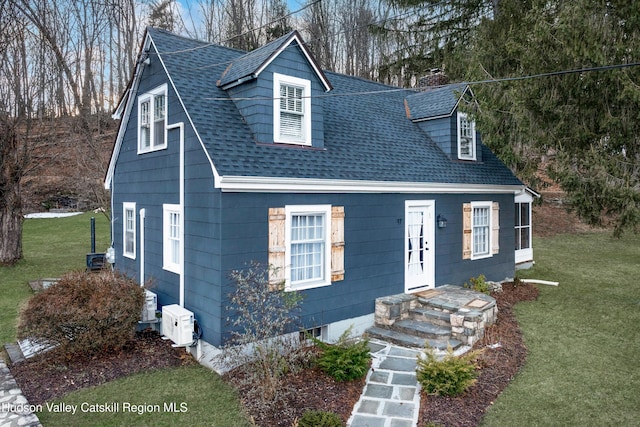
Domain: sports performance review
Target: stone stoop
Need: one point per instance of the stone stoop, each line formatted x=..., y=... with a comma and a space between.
x=448, y=316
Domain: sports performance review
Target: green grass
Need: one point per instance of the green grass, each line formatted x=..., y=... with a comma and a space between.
x=51, y=247
x=583, y=337
x=199, y=396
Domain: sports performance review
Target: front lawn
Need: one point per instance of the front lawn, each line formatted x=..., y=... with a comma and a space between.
x=194, y=394
x=188, y=395
x=583, y=337
x=51, y=247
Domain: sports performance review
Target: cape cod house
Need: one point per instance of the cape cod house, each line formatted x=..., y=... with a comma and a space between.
x=354, y=189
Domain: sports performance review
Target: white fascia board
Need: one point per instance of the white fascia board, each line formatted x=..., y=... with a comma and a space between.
x=295, y=36
x=123, y=112
x=216, y=177
x=307, y=185
x=131, y=100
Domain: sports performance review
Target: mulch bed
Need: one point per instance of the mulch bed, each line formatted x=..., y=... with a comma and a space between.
x=50, y=376
x=309, y=389
x=43, y=379
x=499, y=366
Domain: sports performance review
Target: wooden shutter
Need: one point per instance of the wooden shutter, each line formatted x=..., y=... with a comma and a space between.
x=337, y=243
x=495, y=228
x=467, y=225
x=277, y=261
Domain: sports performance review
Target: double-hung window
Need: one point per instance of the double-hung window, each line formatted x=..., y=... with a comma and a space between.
x=466, y=137
x=291, y=110
x=129, y=230
x=481, y=229
x=523, y=225
x=152, y=120
x=308, y=246
x=171, y=238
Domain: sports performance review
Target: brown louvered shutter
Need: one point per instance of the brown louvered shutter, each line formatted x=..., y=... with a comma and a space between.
x=277, y=261
x=467, y=226
x=337, y=243
x=495, y=228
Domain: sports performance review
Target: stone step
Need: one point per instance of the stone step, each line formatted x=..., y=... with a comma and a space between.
x=422, y=329
x=434, y=316
x=439, y=303
x=407, y=340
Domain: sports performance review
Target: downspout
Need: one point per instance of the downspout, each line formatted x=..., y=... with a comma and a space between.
x=180, y=125
x=143, y=216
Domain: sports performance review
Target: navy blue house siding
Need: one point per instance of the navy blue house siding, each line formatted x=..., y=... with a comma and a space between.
x=228, y=141
x=374, y=246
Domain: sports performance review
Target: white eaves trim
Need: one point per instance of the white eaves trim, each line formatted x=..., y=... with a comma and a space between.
x=132, y=100
x=295, y=36
x=250, y=184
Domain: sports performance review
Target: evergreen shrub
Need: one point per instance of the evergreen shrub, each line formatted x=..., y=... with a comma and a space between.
x=450, y=376
x=320, y=419
x=345, y=360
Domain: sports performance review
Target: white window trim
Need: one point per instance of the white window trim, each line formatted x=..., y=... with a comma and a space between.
x=291, y=210
x=460, y=117
x=149, y=96
x=125, y=207
x=167, y=261
x=278, y=80
x=488, y=205
x=524, y=254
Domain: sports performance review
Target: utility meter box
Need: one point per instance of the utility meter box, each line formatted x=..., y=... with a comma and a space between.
x=177, y=324
x=149, y=308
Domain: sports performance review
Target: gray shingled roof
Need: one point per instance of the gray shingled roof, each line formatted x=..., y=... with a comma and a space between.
x=248, y=63
x=367, y=137
x=436, y=102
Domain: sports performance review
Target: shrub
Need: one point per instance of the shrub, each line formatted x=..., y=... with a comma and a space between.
x=478, y=284
x=320, y=419
x=84, y=313
x=447, y=377
x=261, y=316
x=345, y=360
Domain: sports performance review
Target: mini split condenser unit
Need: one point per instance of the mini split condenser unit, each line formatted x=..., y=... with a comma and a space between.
x=177, y=324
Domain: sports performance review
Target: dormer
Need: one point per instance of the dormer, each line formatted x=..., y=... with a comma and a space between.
x=276, y=90
x=440, y=113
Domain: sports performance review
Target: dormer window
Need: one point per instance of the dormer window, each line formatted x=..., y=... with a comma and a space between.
x=291, y=110
x=466, y=137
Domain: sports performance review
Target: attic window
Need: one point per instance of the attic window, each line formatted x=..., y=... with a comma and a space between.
x=291, y=110
x=152, y=120
x=466, y=137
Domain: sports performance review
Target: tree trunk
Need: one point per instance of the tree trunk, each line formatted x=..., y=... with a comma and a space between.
x=12, y=161
x=11, y=232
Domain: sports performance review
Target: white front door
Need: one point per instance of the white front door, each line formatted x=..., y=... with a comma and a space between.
x=419, y=247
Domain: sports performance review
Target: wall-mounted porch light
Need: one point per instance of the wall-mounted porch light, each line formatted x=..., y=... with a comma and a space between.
x=442, y=221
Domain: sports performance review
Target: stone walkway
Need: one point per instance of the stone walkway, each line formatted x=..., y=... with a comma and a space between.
x=14, y=408
x=391, y=396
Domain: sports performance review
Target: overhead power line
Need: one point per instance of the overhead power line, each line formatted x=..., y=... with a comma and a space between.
x=478, y=82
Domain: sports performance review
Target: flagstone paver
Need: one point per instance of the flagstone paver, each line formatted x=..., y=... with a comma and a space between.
x=391, y=396
x=14, y=408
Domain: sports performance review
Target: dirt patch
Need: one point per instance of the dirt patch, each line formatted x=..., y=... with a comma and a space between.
x=554, y=216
